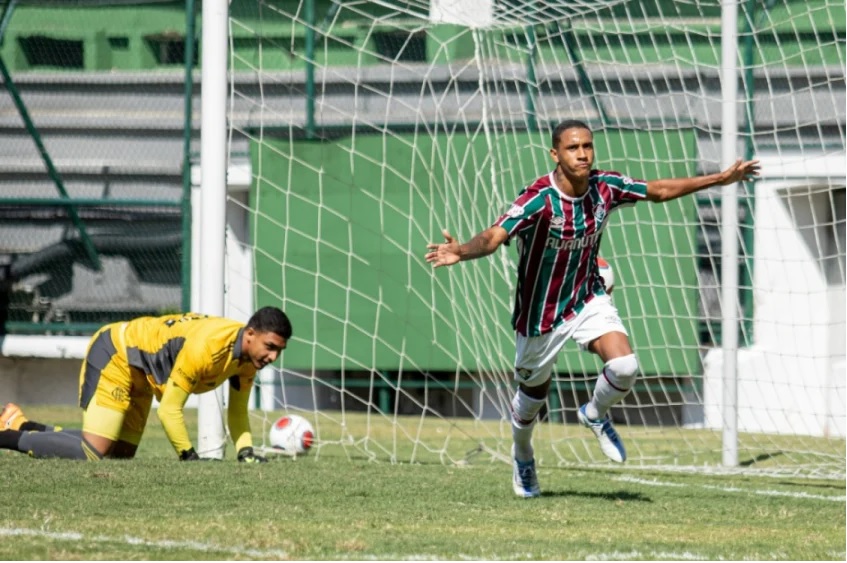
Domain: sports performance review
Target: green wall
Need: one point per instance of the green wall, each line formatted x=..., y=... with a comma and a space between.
x=340, y=240
x=270, y=35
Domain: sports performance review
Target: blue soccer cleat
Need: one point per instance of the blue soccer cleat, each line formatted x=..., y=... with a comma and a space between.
x=610, y=443
x=524, y=478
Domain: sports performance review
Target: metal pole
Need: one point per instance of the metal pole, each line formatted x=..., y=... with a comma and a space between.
x=190, y=21
x=309, y=16
x=531, y=80
x=749, y=202
x=729, y=231
x=8, y=9
x=211, y=439
x=569, y=40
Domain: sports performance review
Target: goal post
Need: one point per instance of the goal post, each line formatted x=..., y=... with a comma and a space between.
x=368, y=127
x=211, y=439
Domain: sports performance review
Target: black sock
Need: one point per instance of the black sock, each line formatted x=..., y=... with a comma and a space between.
x=9, y=439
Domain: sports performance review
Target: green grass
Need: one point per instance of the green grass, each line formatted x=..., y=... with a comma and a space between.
x=342, y=506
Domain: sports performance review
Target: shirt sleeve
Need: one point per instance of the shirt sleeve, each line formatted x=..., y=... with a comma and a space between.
x=523, y=212
x=237, y=419
x=625, y=190
x=170, y=413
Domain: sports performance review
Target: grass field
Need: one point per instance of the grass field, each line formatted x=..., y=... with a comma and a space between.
x=341, y=506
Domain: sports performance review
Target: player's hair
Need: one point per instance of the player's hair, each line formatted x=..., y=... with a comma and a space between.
x=564, y=126
x=271, y=319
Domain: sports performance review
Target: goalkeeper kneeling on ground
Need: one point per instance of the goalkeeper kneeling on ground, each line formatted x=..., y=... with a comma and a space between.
x=169, y=357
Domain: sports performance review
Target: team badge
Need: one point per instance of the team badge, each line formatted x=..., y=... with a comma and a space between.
x=120, y=395
x=600, y=213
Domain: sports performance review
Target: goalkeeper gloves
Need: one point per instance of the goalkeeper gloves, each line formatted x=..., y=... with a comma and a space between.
x=189, y=455
x=246, y=455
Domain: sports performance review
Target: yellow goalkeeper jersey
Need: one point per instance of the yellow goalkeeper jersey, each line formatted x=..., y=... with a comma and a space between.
x=197, y=352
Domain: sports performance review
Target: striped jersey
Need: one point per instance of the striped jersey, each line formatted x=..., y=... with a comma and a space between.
x=558, y=238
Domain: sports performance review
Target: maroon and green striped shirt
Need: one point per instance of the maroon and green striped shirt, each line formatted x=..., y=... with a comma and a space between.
x=558, y=240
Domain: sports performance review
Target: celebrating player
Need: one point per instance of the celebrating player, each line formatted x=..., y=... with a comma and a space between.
x=170, y=357
x=558, y=222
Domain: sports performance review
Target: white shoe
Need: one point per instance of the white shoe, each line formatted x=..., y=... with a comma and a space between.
x=524, y=478
x=610, y=443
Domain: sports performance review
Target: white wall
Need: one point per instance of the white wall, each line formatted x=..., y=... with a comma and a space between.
x=792, y=379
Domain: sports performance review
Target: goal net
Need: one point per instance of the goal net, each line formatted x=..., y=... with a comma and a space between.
x=364, y=128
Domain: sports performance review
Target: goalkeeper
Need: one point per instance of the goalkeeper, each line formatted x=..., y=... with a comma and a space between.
x=558, y=222
x=169, y=357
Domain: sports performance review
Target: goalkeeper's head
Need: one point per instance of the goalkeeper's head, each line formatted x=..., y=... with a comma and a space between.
x=265, y=336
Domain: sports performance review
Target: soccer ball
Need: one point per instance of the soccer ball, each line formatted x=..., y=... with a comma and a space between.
x=292, y=434
x=607, y=274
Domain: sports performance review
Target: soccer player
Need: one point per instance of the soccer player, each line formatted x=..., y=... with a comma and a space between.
x=558, y=222
x=172, y=356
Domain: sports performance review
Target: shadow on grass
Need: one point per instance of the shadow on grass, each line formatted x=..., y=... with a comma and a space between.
x=612, y=496
x=806, y=485
x=758, y=458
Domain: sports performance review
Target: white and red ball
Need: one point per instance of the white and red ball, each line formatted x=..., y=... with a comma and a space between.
x=292, y=434
x=607, y=274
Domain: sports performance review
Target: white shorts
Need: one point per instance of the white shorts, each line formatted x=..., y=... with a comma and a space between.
x=536, y=355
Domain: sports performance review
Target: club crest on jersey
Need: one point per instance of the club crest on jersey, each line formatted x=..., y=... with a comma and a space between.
x=600, y=212
x=120, y=395
x=515, y=211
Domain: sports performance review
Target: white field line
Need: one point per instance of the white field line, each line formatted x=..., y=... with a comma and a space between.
x=761, y=492
x=613, y=556
x=160, y=544
x=650, y=555
x=272, y=554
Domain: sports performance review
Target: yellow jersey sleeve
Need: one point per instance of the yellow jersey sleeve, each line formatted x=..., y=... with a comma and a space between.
x=170, y=413
x=237, y=418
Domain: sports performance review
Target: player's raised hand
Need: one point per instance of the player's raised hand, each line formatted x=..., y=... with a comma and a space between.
x=443, y=254
x=740, y=171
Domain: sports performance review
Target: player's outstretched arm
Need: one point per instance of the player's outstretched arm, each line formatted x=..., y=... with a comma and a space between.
x=450, y=252
x=672, y=188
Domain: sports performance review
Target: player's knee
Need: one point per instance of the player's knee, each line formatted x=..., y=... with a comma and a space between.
x=525, y=407
x=123, y=450
x=622, y=371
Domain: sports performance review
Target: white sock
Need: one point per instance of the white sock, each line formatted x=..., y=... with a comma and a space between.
x=613, y=384
x=524, y=409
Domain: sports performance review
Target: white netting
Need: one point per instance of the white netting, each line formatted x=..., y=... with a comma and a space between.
x=424, y=117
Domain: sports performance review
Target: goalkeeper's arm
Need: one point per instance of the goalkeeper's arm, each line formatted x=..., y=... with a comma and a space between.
x=170, y=413
x=239, y=423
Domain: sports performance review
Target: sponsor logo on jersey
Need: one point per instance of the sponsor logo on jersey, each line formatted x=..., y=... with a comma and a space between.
x=557, y=222
x=574, y=243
